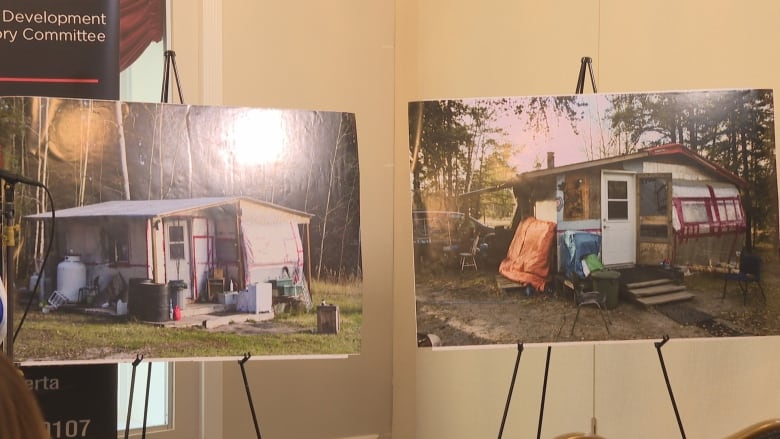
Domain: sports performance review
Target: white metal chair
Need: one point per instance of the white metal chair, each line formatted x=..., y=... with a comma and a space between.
x=469, y=258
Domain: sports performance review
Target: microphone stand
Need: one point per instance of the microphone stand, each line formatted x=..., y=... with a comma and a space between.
x=9, y=242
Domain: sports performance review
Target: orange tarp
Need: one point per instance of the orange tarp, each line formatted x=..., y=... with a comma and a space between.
x=528, y=258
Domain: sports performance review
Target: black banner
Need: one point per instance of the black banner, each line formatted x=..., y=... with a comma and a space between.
x=59, y=48
x=78, y=401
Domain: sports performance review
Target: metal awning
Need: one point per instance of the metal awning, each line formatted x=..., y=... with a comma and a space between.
x=161, y=208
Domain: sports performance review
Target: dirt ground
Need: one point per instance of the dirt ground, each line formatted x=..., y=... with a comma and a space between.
x=469, y=308
x=253, y=328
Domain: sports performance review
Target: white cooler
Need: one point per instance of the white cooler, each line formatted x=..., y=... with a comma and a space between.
x=256, y=299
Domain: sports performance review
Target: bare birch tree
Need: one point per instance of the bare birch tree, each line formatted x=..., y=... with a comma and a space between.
x=326, y=211
x=120, y=129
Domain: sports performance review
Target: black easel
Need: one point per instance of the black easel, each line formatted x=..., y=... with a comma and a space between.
x=136, y=362
x=248, y=393
x=658, y=346
x=170, y=60
x=511, y=387
x=585, y=62
x=544, y=393
x=146, y=398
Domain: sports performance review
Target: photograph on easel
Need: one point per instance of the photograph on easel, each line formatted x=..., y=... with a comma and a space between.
x=594, y=217
x=180, y=231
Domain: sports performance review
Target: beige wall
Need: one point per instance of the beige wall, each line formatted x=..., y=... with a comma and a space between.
x=464, y=48
x=372, y=58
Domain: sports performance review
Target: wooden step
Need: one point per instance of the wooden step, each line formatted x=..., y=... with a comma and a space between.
x=648, y=283
x=656, y=290
x=506, y=283
x=665, y=298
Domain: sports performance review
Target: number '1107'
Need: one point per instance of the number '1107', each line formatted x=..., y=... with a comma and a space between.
x=66, y=429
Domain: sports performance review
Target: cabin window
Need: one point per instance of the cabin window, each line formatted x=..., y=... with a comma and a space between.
x=695, y=211
x=729, y=210
x=653, y=196
x=617, y=199
x=176, y=242
x=117, y=238
x=705, y=216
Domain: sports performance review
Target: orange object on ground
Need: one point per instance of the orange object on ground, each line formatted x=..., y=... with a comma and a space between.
x=528, y=258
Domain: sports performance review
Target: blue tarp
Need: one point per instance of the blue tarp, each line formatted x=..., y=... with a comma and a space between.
x=575, y=246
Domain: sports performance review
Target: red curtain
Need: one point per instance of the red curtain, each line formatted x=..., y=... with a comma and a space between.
x=141, y=22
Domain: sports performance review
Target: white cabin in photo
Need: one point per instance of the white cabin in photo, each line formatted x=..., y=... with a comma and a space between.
x=235, y=241
x=664, y=204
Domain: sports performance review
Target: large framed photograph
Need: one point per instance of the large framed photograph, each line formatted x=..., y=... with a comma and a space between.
x=180, y=231
x=594, y=217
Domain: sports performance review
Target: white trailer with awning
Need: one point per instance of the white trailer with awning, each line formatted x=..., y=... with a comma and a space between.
x=243, y=240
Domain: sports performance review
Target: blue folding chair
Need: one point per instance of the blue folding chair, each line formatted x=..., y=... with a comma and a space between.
x=749, y=273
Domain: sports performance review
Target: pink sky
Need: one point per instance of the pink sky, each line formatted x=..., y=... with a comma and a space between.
x=568, y=147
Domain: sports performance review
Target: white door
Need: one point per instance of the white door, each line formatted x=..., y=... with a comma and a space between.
x=618, y=218
x=177, y=251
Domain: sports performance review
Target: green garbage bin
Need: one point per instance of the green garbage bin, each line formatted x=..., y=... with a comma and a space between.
x=608, y=282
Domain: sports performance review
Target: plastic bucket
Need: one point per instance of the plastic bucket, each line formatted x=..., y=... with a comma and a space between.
x=608, y=282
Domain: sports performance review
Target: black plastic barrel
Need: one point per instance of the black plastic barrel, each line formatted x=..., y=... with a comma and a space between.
x=148, y=301
x=134, y=305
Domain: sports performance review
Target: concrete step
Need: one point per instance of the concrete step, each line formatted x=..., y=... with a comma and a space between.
x=649, y=283
x=665, y=298
x=656, y=290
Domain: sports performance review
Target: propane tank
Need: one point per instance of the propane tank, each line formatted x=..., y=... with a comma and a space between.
x=71, y=277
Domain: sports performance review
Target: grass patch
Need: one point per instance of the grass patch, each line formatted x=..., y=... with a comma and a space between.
x=63, y=335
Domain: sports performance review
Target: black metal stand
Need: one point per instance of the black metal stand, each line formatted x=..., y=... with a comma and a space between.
x=9, y=233
x=511, y=387
x=241, y=362
x=170, y=60
x=585, y=62
x=544, y=392
x=146, y=398
x=9, y=243
x=136, y=362
x=658, y=346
